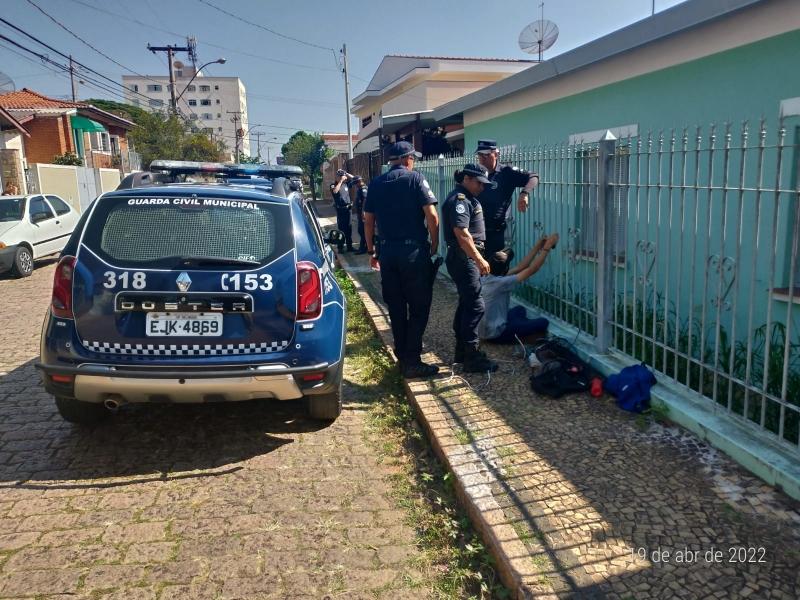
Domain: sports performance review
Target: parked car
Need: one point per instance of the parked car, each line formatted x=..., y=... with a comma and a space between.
x=32, y=227
x=196, y=292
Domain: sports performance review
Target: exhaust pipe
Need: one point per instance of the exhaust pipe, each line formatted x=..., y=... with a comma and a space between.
x=112, y=404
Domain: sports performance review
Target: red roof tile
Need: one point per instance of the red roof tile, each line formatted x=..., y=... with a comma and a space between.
x=26, y=98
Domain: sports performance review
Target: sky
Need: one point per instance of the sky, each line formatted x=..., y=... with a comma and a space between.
x=290, y=85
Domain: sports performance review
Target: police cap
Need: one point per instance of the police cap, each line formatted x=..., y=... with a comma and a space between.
x=480, y=173
x=401, y=149
x=486, y=146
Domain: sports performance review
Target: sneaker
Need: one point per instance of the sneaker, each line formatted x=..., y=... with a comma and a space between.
x=419, y=370
x=476, y=361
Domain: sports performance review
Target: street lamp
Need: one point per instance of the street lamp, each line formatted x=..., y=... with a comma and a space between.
x=219, y=61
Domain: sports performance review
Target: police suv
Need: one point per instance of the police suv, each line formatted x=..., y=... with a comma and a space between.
x=184, y=287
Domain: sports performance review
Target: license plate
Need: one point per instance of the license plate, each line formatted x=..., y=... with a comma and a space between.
x=183, y=325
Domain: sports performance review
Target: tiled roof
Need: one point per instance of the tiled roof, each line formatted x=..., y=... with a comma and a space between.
x=26, y=98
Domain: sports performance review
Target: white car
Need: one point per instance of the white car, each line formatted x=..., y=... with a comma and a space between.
x=32, y=227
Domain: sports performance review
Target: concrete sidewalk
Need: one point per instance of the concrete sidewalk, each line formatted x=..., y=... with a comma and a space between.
x=577, y=500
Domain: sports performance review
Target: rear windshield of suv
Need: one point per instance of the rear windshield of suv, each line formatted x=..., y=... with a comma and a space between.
x=152, y=232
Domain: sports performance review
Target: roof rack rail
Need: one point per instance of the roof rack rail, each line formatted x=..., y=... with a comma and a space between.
x=225, y=169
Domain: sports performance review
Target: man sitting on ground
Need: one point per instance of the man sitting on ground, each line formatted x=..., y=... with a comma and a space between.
x=499, y=324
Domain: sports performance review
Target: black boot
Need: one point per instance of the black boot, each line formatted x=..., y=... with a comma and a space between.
x=458, y=354
x=418, y=370
x=476, y=361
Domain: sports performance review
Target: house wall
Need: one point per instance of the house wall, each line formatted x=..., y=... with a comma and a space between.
x=736, y=85
x=50, y=136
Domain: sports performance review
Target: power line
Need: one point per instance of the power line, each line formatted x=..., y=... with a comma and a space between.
x=209, y=44
x=267, y=29
x=49, y=47
x=65, y=69
x=83, y=41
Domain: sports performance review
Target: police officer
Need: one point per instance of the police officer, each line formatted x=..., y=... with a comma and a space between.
x=361, y=198
x=496, y=201
x=340, y=190
x=464, y=233
x=403, y=206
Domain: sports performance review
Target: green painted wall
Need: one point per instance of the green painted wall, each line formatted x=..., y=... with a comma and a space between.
x=739, y=85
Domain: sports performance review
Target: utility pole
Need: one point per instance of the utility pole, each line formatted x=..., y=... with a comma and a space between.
x=235, y=121
x=269, y=161
x=72, y=79
x=347, y=101
x=171, y=50
x=258, y=145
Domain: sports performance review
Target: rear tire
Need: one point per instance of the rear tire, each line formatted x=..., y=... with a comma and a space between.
x=23, y=263
x=83, y=413
x=325, y=407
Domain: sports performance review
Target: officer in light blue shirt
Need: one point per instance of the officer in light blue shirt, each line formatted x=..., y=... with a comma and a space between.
x=501, y=325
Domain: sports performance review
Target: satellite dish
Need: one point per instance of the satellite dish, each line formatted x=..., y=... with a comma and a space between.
x=178, y=64
x=538, y=37
x=6, y=84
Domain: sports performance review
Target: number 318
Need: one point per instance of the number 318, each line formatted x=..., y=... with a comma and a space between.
x=137, y=281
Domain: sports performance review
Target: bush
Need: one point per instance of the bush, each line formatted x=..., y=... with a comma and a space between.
x=68, y=158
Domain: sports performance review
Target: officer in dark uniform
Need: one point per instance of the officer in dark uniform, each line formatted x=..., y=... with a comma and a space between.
x=464, y=233
x=361, y=198
x=403, y=206
x=340, y=190
x=496, y=201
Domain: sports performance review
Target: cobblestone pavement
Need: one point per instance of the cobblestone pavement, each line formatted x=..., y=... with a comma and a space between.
x=604, y=508
x=245, y=500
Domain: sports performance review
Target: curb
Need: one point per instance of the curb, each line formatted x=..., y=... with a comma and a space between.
x=473, y=481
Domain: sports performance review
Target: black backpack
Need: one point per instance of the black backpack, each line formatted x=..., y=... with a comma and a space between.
x=562, y=371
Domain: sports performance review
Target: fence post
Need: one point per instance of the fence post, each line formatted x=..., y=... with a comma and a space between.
x=604, y=284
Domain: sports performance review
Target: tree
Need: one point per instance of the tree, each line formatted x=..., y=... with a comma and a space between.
x=243, y=159
x=165, y=136
x=121, y=109
x=307, y=151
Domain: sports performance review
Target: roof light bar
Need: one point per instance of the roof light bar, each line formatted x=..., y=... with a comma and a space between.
x=225, y=169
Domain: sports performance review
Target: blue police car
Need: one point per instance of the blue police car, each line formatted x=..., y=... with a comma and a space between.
x=186, y=287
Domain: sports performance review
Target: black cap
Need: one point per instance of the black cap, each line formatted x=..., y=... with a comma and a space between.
x=479, y=173
x=401, y=149
x=356, y=179
x=486, y=146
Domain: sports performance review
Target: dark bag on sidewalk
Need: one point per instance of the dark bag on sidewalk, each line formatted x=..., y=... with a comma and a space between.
x=562, y=371
x=631, y=387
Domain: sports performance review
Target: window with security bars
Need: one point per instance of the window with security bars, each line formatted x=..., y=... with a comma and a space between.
x=587, y=206
x=154, y=234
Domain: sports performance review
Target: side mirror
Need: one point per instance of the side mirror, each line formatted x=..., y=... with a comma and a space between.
x=39, y=217
x=335, y=237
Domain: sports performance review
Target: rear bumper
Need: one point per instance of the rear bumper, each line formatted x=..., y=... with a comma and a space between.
x=98, y=383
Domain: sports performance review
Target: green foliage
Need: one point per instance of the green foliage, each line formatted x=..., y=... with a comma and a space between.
x=68, y=158
x=307, y=151
x=243, y=159
x=166, y=136
x=121, y=109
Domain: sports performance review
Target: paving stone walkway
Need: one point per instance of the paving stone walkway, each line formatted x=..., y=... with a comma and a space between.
x=604, y=508
x=247, y=500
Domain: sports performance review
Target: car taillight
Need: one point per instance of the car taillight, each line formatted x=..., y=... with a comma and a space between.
x=309, y=291
x=61, y=305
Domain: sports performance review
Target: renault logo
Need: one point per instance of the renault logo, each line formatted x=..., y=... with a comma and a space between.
x=184, y=282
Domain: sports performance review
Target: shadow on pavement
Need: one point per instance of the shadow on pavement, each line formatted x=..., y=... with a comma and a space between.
x=139, y=442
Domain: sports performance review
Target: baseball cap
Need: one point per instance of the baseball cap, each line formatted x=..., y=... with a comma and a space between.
x=401, y=149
